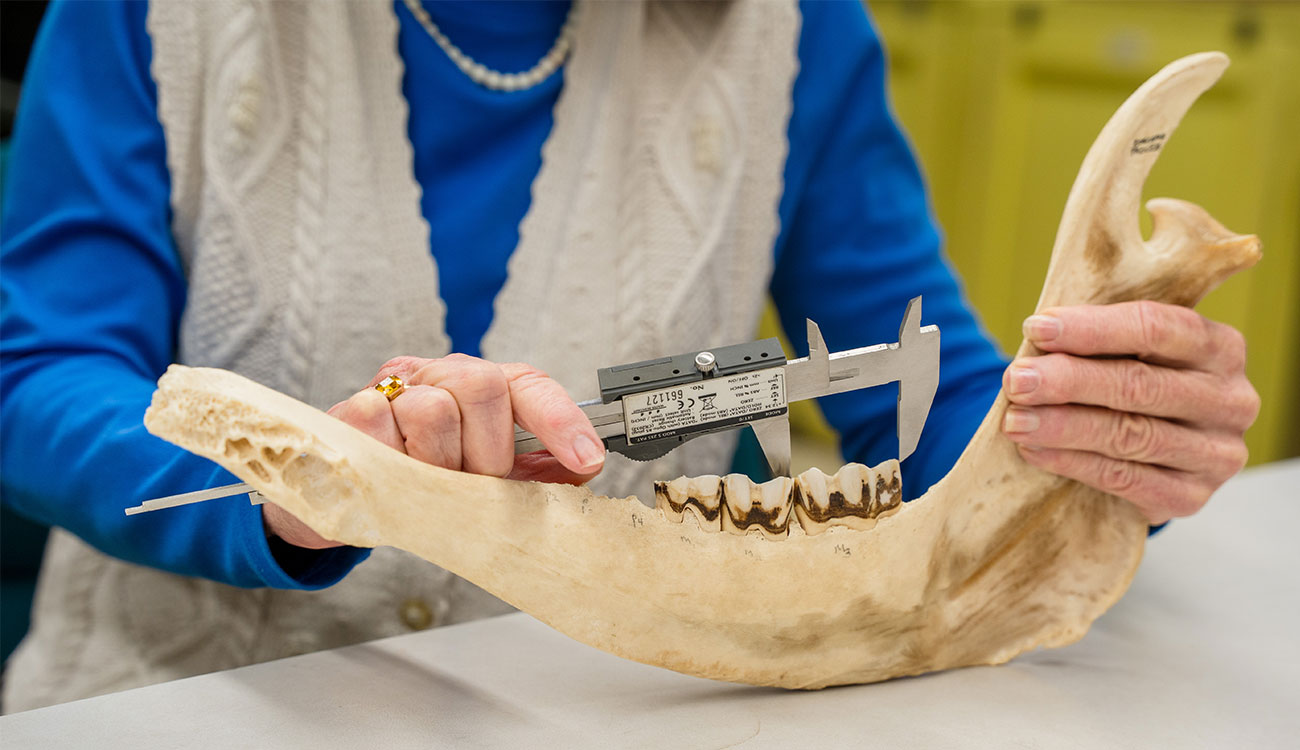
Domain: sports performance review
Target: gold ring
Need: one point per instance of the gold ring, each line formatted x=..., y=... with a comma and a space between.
x=391, y=386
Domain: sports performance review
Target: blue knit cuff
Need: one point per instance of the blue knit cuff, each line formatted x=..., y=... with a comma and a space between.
x=280, y=565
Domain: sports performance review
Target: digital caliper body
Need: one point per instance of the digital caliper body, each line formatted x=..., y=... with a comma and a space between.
x=647, y=409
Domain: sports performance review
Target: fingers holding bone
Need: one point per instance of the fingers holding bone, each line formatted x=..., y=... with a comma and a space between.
x=855, y=497
x=1126, y=385
x=459, y=412
x=1161, y=494
x=1143, y=400
x=430, y=422
x=1125, y=436
x=1169, y=335
x=544, y=408
x=480, y=393
x=368, y=411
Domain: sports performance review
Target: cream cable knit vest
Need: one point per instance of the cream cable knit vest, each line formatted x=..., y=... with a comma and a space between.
x=298, y=220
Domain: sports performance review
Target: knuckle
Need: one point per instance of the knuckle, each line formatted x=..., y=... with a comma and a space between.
x=440, y=412
x=1238, y=456
x=475, y=381
x=362, y=411
x=1251, y=403
x=1231, y=351
x=1141, y=386
x=522, y=371
x=398, y=366
x=1118, y=477
x=1152, y=323
x=1134, y=437
x=1230, y=456
x=373, y=410
x=1241, y=404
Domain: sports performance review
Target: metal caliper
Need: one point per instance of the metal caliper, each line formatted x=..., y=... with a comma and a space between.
x=647, y=409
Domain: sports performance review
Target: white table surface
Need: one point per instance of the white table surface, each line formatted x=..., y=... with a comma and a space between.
x=1201, y=652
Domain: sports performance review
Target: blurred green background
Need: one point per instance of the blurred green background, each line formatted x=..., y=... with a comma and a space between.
x=1002, y=100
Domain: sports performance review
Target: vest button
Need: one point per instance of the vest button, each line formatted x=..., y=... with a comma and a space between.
x=416, y=614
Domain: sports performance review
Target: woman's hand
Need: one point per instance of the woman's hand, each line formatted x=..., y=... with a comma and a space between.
x=459, y=412
x=1143, y=400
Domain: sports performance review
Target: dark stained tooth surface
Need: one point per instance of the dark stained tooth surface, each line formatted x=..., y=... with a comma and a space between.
x=702, y=495
x=854, y=497
x=747, y=506
x=888, y=494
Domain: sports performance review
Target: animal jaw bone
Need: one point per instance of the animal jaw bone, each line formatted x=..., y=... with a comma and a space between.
x=995, y=559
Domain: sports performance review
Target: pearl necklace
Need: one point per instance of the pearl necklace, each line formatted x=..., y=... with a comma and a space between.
x=491, y=79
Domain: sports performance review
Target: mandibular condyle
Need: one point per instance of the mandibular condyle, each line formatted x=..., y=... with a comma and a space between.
x=823, y=579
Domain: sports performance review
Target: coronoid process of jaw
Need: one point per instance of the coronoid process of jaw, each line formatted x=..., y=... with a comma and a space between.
x=800, y=583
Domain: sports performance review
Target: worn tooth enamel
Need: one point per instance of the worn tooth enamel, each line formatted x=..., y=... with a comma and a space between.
x=706, y=493
x=850, y=482
x=747, y=506
x=811, y=500
x=700, y=496
x=850, y=498
x=888, y=489
x=855, y=497
x=669, y=497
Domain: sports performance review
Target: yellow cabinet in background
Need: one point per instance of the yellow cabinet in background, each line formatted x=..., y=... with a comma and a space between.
x=1003, y=99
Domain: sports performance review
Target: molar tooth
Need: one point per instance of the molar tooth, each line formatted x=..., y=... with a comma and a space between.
x=848, y=481
x=851, y=501
x=811, y=501
x=700, y=495
x=844, y=499
x=888, y=494
x=765, y=506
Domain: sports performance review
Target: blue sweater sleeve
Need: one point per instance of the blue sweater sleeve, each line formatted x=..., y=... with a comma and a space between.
x=90, y=300
x=857, y=241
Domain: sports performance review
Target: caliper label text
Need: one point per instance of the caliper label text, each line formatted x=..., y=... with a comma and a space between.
x=705, y=405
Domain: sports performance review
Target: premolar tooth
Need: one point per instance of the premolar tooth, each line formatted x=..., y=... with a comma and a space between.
x=765, y=506
x=668, y=498
x=701, y=495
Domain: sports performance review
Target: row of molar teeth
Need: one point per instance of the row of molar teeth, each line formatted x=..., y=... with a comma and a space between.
x=855, y=497
x=732, y=503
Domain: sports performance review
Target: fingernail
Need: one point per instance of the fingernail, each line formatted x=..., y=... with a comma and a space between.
x=589, y=452
x=1042, y=327
x=1023, y=379
x=1020, y=419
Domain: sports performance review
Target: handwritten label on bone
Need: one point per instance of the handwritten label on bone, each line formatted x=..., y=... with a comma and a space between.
x=704, y=405
x=1148, y=144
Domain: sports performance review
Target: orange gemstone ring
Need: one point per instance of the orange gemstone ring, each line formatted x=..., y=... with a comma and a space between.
x=391, y=386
